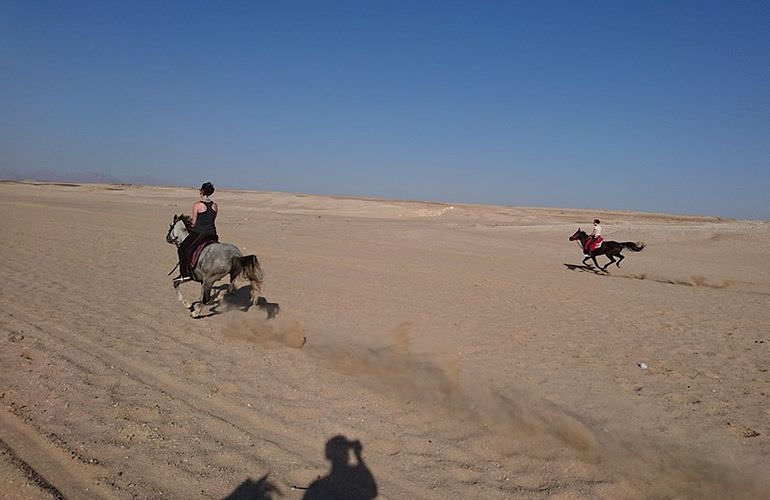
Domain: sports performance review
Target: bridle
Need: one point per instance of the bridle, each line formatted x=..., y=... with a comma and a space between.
x=172, y=238
x=579, y=237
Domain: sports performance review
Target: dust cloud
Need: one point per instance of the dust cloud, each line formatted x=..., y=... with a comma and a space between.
x=268, y=334
x=520, y=422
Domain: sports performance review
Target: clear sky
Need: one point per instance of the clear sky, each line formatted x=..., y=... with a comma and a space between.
x=655, y=106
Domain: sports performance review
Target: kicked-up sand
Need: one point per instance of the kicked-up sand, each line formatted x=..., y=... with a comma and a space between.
x=461, y=350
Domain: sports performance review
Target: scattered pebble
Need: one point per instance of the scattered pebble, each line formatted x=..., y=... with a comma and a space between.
x=643, y=366
x=750, y=433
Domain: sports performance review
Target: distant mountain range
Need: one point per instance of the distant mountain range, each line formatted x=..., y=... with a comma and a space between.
x=84, y=176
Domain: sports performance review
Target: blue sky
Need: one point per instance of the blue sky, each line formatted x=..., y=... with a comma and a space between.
x=655, y=106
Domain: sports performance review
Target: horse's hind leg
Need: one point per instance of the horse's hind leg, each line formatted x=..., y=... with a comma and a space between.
x=231, y=287
x=206, y=291
x=620, y=259
x=609, y=256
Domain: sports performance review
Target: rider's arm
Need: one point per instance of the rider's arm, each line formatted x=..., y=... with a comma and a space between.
x=195, y=210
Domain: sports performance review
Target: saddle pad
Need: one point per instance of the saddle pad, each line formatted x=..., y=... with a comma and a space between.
x=592, y=245
x=197, y=253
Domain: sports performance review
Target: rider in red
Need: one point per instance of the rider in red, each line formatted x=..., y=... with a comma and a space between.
x=594, y=239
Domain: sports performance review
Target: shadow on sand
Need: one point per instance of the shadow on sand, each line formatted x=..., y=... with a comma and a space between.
x=585, y=269
x=344, y=480
x=240, y=300
x=262, y=489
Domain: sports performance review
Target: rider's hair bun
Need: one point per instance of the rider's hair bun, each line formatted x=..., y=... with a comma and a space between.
x=207, y=189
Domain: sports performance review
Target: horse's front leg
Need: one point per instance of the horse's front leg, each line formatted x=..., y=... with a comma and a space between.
x=205, y=298
x=179, y=296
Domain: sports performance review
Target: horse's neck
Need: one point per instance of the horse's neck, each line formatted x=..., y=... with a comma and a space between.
x=181, y=231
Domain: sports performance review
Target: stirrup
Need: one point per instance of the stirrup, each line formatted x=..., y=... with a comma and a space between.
x=182, y=279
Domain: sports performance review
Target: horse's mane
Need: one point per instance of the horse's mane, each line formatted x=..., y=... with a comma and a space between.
x=187, y=221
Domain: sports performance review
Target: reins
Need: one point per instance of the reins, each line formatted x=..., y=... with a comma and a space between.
x=172, y=270
x=175, y=240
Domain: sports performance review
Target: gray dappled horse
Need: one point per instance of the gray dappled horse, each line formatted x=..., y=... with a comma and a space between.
x=216, y=261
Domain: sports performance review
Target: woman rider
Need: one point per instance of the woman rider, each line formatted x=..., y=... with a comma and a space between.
x=594, y=236
x=204, y=213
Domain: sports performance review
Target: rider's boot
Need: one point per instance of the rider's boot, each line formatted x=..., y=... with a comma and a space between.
x=179, y=280
x=183, y=276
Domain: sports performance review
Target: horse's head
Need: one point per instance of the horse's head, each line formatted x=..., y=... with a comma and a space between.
x=178, y=229
x=579, y=234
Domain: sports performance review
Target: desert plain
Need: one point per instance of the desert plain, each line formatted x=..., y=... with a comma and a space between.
x=464, y=348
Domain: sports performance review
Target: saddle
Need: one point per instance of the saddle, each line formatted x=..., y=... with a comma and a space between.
x=196, y=254
x=593, y=243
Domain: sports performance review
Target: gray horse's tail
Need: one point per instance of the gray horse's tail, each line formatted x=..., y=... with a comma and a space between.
x=249, y=268
x=634, y=247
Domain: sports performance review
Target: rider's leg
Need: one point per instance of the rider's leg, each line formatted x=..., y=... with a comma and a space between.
x=184, y=255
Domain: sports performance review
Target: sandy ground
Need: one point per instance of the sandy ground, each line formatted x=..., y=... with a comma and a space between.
x=459, y=345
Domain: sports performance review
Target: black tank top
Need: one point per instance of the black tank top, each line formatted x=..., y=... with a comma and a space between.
x=204, y=224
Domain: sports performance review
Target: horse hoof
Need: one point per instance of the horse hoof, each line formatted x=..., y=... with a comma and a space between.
x=273, y=310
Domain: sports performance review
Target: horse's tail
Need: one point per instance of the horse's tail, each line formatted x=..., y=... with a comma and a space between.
x=634, y=247
x=249, y=268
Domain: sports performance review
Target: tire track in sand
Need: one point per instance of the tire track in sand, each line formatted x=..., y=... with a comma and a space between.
x=286, y=452
x=52, y=469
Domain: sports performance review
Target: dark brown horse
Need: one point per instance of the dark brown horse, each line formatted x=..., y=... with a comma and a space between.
x=611, y=249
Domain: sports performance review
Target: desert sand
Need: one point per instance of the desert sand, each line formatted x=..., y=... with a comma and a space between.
x=462, y=346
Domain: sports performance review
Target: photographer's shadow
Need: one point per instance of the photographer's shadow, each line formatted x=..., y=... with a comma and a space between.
x=345, y=480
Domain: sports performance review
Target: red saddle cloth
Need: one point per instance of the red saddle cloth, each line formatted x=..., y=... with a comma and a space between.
x=593, y=243
x=197, y=252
